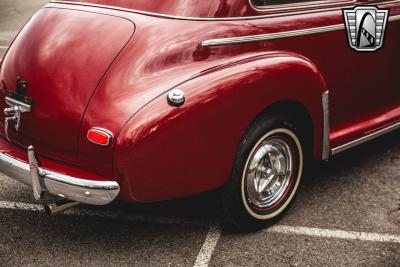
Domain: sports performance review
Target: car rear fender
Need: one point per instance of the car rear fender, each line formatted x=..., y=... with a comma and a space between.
x=166, y=152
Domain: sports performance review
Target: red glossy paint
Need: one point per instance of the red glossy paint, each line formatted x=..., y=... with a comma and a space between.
x=116, y=71
x=63, y=62
x=186, y=8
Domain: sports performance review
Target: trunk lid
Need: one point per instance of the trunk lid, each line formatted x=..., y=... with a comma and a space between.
x=62, y=54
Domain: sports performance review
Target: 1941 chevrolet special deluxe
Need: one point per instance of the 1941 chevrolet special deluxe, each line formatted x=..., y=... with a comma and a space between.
x=145, y=101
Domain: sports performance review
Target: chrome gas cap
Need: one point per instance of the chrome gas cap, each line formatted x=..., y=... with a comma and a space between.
x=176, y=97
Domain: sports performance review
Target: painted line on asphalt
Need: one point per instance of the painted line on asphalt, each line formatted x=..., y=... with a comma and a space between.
x=208, y=247
x=20, y=206
x=3, y=47
x=337, y=234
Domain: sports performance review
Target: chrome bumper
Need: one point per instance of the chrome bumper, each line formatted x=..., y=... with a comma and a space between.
x=45, y=181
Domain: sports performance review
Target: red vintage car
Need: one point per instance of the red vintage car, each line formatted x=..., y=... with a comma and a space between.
x=148, y=101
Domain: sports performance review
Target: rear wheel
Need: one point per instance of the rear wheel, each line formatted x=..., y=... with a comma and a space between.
x=266, y=174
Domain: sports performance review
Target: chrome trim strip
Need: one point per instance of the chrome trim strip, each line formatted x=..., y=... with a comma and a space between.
x=394, y=18
x=73, y=188
x=278, y=35
x=366, y=138
x=204, y=19
x=326, y=145
x=271, y=36
x=292, y=6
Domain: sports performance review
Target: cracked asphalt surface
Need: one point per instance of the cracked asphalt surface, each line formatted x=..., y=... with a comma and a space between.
x=358, y=190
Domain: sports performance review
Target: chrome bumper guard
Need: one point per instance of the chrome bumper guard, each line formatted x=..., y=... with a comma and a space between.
x=44, y=181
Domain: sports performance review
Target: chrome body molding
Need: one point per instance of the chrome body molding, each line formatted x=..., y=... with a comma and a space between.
x=209, y=19
x=394, y=18
x=365, y=138
x=46, y=181
x=270, y=36
x=326, y=144
x=278, y=35
x=292, y=6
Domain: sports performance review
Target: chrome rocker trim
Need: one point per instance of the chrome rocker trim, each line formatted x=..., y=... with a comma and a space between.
x=45, y=181
x=366, y=138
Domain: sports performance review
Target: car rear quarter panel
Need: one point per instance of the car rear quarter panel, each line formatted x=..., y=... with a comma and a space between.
x=167, y=152
x=161, y=152
x=164, y=53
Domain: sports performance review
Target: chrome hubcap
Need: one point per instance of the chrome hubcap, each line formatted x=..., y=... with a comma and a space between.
x=268, y=173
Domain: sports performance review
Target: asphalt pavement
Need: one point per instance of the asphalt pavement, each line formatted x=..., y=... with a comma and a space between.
x=347, y=213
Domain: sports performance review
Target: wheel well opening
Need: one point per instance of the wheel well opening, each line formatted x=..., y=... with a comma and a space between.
x=300, y=116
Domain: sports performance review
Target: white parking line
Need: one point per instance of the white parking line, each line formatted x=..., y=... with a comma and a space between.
x=208, y=247
x=20, y=206
x=3, y=47
x=338, y=234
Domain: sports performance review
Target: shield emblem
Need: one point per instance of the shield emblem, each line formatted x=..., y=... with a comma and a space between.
x=366, y=27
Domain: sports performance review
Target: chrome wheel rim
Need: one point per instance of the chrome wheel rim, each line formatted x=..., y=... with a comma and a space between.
x=269, y=173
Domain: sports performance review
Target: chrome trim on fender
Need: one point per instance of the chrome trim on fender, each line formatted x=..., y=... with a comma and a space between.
x=43, y=181
x=270, y=36
x=394, y=18
x=366, y=138
x=278, y=35
x=294, y=6
x=326, y=145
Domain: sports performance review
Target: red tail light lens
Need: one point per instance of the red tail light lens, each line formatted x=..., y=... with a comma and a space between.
x=99, y=136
